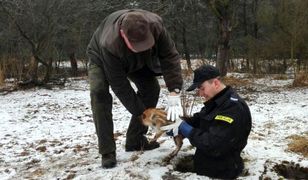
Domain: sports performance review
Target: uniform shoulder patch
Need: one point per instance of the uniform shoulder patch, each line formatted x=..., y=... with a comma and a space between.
x=224, y=118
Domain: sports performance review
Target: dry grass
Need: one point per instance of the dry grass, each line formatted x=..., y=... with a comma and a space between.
x=299, y=144
x=11, y=67
x=280, y=77
x=301, y=80
x=232, y=81
x=187, y=73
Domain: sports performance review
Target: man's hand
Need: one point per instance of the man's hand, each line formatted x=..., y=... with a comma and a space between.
x=182, y=127
x=174, y=108
x=173, y=129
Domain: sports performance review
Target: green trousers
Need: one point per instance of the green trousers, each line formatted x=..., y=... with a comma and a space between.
x=101, y=104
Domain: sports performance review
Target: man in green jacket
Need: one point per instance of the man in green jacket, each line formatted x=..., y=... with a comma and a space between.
x=131, y=45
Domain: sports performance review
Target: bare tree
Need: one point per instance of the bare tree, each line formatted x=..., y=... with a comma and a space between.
x=36, y=22
x=222, y=9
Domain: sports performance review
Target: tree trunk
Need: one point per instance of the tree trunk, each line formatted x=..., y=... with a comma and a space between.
x=298, y=65
x=74, y=65
x=48, y=71
x=255, y=24
x=186, y=49
x=292, y=49
x=254, y=64
x=2, y=75
x=245, y=18
x=223, y=45
x=33, y=69
x=222, y=59
x=247, y=65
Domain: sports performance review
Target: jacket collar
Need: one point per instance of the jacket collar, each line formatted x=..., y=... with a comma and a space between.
x=219, y=98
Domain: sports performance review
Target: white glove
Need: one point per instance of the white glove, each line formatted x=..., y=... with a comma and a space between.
x=174, y=108
x=172, y=129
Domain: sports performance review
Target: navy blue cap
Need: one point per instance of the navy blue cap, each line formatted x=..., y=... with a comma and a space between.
x=203, y=73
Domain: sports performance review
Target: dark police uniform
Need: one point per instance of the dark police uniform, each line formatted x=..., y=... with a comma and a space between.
x=220, y=133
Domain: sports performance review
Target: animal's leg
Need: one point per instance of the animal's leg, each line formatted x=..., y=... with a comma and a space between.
x=157, y=135
x=179, y=143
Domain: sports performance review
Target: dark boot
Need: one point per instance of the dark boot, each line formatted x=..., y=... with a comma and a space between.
x=109, y=160
x=144, y=145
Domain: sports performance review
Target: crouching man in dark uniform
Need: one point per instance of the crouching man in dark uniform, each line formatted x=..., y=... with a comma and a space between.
x=220, y=130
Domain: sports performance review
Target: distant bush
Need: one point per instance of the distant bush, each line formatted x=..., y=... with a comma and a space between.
x=11, y=67
x=300, y=80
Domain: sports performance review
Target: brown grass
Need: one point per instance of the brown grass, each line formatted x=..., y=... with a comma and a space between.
x=280, y=77
x=232, y=81
x=187, y=73
x=301, y=80
x=299, y=144
x=11, y=67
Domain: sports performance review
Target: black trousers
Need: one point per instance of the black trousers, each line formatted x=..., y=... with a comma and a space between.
x=101, y=104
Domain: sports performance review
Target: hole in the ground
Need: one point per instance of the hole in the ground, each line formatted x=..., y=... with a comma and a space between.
x=290, y=170
x=185, y=164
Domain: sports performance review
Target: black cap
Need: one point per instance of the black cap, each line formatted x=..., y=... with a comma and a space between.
x=203, y=73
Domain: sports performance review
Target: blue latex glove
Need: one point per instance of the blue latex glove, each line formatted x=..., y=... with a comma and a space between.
x=184, y=128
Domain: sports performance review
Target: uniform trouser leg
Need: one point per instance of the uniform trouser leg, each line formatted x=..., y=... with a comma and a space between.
x=101, y=104
x=148, y=91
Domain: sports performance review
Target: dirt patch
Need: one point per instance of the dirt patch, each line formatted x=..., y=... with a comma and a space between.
x=290, y=170
x=170, y=176
x=299, y=144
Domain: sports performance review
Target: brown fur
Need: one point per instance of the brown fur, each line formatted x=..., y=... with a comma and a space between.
x=157, y=118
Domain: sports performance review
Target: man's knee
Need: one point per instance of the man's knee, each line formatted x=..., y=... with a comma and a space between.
x=100, y=95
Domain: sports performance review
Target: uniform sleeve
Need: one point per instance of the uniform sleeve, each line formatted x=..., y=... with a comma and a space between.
x=220, y=137
x=170, y=61
x=120, y=85
x=193, y=121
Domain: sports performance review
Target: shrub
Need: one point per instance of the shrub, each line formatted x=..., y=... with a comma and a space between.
x=300, y=80
x=299, y=144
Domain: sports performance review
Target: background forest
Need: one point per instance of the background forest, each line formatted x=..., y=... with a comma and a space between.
x=263, y=36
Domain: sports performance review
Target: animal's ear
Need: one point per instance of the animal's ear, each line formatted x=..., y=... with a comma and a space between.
x=144, y=116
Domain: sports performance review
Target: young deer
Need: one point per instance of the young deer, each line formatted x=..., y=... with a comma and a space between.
x=157, y=118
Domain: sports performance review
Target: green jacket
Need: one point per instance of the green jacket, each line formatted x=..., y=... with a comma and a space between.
x=108, y=50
